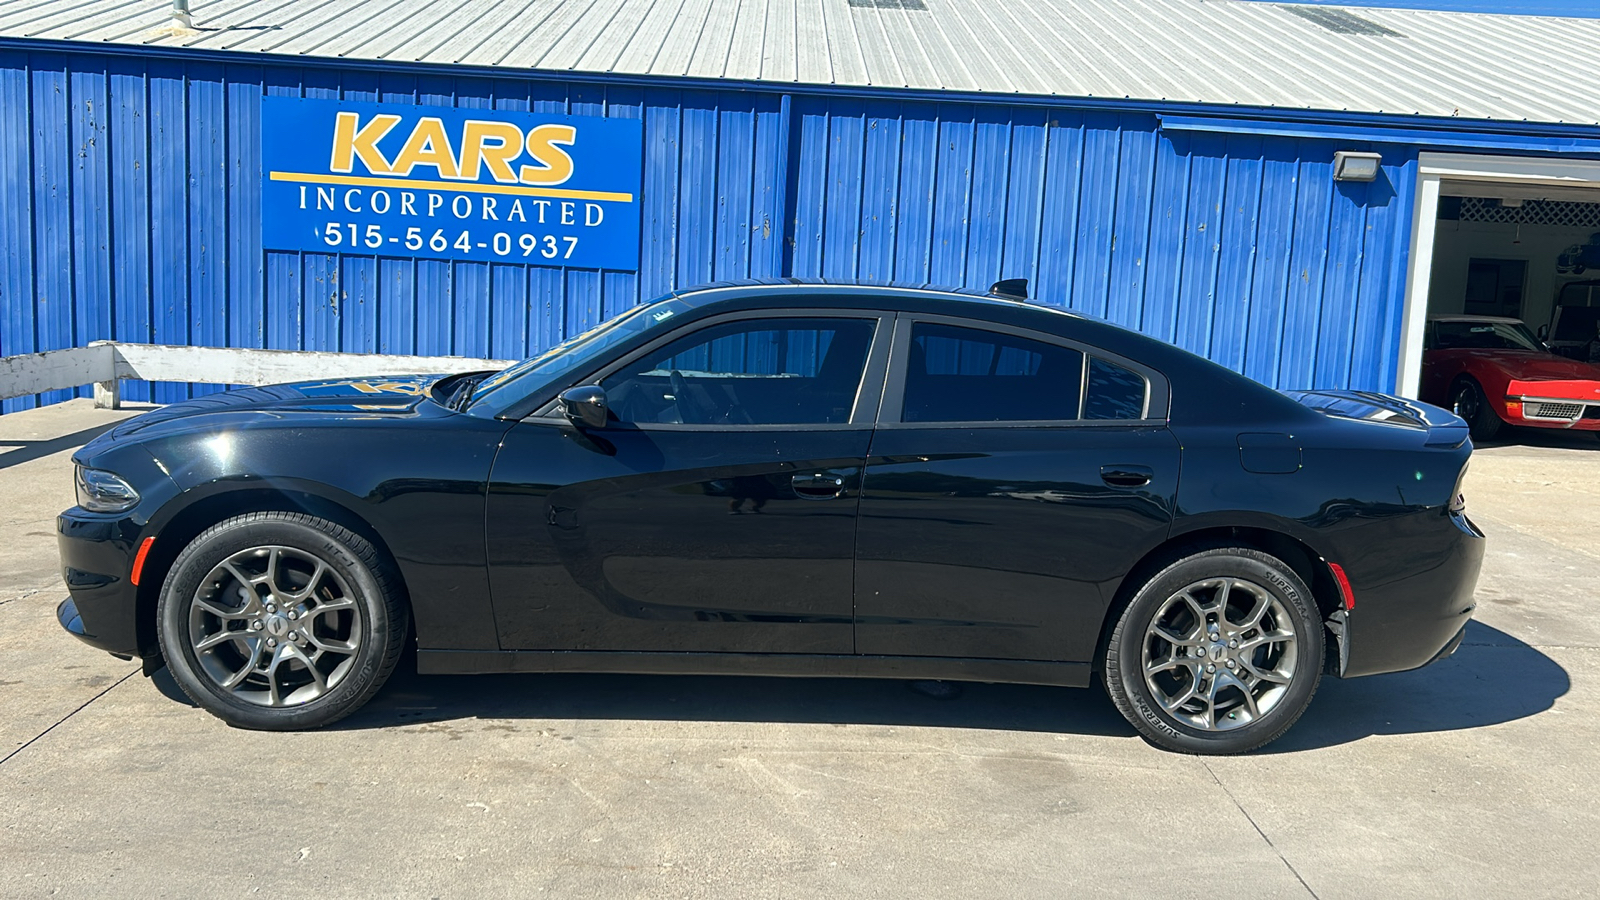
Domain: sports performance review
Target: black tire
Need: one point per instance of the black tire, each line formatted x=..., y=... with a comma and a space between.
x=323, y=590
x=1252, y=578
x=1468, y=402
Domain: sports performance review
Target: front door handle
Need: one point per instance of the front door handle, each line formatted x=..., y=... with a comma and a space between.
x=818, y=486
x=1126, y=476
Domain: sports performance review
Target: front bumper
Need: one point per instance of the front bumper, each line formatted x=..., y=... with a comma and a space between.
x=96, y=561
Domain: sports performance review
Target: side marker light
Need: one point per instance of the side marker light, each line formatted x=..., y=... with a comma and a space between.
x=138, y=559
x=1345, y=593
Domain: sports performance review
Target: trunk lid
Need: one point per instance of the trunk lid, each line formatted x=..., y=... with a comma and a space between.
x=1444, y=428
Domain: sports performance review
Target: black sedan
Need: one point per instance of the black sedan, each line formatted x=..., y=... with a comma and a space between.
x=788, y=479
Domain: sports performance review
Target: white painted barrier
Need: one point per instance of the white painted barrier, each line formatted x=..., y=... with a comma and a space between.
x=105, y=364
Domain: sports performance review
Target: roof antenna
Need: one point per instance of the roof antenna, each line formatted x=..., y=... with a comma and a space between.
x=1010, y=289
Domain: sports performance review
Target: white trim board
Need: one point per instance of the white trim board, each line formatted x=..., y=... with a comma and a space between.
x=1432, y=169
x=106, y=363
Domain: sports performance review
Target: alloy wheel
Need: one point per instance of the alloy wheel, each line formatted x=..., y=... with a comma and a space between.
x=1220, y=653
x=274, y=626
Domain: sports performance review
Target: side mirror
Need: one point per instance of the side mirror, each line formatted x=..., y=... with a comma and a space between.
x=1544, y=332
x=585, y=406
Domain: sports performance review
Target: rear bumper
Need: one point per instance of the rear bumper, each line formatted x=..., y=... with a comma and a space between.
x=1408, y=622
x=96, y=560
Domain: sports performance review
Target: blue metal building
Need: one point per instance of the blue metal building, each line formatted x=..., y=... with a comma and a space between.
x=1165, y=164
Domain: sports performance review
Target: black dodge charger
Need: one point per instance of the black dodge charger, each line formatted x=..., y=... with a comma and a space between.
x=788, y=479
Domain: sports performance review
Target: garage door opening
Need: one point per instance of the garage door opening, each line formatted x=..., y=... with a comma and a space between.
x=1509, y=237
x=1519, y=252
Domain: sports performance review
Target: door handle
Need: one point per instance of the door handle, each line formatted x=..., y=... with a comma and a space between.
x=1126, y=476
x=817, y=487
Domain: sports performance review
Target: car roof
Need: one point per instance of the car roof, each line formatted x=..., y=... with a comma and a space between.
x=772, y=289
x=1462, y=318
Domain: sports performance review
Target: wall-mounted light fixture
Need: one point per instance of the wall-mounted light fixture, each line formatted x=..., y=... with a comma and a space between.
x=1356, y=165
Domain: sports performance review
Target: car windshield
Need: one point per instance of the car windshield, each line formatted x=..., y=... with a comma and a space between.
x=1485, y=336
x=576, y=353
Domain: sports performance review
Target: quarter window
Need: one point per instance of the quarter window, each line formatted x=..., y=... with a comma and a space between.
x=802, y=371
x=1115, y=392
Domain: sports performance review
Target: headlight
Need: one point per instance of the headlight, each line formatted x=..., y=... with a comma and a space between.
x=101, y=491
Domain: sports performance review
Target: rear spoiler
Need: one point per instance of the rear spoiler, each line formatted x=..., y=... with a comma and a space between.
x=1444, y=428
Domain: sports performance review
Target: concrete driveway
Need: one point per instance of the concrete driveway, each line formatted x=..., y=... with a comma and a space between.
x=1474, y=777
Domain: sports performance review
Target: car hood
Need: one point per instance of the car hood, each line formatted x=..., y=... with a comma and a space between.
x=385, y=395
x=1525, y=365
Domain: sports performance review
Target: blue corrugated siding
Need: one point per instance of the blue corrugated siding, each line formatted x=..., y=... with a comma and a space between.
x=130, y=209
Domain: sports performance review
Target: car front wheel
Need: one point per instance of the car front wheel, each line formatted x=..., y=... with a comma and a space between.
x=1218, y=653
x=1468, y=402
x=280, y=621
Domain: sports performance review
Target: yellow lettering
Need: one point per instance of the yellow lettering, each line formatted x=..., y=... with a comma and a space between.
x=544, y=145
x=351, y=143
x=494, y=144
x=428, y=145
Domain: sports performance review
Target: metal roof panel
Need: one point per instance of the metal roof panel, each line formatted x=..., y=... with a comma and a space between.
x=1358, y=59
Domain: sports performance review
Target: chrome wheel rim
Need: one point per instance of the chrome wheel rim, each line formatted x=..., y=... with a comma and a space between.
x=1466, y=405
x=1220, y=654
x=274, y=626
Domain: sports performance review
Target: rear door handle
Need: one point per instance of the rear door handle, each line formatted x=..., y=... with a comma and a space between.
x=1126, y=476
x=819, y=486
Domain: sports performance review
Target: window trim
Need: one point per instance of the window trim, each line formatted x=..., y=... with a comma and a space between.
x=1156, y=398
x=869, y=392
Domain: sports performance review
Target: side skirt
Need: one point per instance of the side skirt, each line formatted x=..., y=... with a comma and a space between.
x=790, y=665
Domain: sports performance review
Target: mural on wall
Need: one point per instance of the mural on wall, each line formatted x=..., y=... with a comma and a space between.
x=476, y=185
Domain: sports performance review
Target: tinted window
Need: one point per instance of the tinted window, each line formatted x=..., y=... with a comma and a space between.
x=757, y=372
x=1114, y=392
x=967, y=375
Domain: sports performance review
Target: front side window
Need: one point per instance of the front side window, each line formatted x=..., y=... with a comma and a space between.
x=789, y=371
x=956, y=374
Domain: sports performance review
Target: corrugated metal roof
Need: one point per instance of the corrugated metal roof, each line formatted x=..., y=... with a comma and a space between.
x=1466, y=65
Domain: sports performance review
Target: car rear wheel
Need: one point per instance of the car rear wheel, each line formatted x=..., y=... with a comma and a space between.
x=280, y=621
x=1468, y=402
x=1219, y=653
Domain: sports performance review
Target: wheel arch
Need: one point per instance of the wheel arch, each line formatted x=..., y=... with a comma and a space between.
x=1311, y=566
x=183, y=524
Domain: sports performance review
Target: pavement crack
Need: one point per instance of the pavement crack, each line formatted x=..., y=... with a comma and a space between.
x=1248, y=818
x=80, y=708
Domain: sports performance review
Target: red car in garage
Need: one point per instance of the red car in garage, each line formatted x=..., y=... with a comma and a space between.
x=1492, y=372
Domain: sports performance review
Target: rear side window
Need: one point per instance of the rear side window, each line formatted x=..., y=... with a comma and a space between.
x=966, y=375
x=956, y=374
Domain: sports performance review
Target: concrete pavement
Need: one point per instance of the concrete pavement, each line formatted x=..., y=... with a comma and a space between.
x=1472, y=777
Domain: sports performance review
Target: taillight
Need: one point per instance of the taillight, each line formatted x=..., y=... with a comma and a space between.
x=1514, y=407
